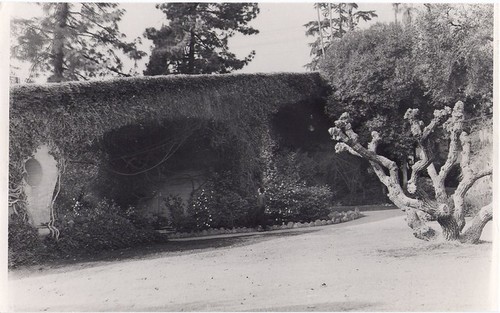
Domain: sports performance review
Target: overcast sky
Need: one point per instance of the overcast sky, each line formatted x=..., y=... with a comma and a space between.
x=280, y=46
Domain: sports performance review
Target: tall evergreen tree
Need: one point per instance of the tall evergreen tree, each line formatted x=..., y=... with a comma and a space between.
x=74, y=41
x=195, y=41
x=334, y=21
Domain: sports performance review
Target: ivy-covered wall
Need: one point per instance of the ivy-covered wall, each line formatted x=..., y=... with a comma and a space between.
x=73, y=118
x=74, y=114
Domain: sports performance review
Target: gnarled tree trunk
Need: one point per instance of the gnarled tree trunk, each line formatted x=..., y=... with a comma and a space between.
x=473, y=233
x=447, y=210
x=420, y=229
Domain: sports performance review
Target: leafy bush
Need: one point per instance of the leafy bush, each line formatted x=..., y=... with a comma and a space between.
x=218, y=204
x=296, y=202
x=86, y=228
x=146, y=221
x=24, y=243
x=288, y=198
x=178, y=218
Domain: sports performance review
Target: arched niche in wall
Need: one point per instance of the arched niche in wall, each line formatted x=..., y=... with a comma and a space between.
x=40, y=180
x=34, y=173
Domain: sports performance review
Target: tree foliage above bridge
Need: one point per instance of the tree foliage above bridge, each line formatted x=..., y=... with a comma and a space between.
x=196, y=39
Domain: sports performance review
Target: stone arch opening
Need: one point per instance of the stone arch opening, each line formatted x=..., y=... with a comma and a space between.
x=34, y=172
x=147, y=163
x=40, y=180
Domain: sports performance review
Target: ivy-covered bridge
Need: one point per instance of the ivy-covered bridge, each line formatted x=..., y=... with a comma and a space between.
x=137, y=140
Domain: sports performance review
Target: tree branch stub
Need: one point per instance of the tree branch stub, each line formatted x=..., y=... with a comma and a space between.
x=426, y=154
x=448, y=210
x=348, y=141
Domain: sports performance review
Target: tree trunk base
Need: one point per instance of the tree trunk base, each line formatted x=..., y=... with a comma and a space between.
x=420, y=229
x=449, y=225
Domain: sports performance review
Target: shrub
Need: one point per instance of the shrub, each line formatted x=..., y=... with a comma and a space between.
x=297, y=202
x=24, y=243
x=289, y=199
x=179, y=219
x=86, y=228
x=313, y=202
x=218, y=204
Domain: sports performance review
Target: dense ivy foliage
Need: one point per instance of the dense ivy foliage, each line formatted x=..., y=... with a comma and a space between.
x=24, y=243
x=73, y=117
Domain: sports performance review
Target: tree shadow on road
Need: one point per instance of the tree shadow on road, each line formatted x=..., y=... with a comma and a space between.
x=158, y=250
x=322, y=307
x=456, y=249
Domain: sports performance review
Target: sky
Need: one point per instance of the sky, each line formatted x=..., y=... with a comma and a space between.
x=281, y=45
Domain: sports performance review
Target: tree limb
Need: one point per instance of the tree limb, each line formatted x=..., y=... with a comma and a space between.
x=469, y=180
x=454, y=125
x=349, y=142
x=473, y=233
x=426, y=156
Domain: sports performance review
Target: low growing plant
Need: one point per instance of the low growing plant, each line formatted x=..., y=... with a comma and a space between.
x=86, y=228
x=289, y=198
x=24, y=244
x=219, y=204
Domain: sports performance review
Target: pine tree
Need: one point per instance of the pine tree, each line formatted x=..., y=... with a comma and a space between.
x=74, y=41
x=196, y=39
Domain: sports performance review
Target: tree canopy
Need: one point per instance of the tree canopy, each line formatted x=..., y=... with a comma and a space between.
x=371, y=73
x=455, y=54
x=443, y=55
x=74, y=41
x=196, y=39
x=334, y=20
x=378, y=73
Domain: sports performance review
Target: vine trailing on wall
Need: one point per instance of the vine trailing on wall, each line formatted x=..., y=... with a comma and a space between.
x=73, y=117
x=54, y=231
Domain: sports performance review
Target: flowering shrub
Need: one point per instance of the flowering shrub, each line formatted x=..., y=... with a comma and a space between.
x=288, y=197
x=293, y=201
x=218, y=204
x=86, y=227
x=202, y=208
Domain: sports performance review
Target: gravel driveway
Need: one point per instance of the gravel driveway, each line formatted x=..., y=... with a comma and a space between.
x=370, y=264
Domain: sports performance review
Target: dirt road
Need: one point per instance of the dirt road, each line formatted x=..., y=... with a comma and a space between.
x=370, y=265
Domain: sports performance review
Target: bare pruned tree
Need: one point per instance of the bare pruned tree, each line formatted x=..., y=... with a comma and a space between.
x=447, y=208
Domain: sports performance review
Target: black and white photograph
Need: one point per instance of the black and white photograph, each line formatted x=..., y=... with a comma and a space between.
x=256, y=157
